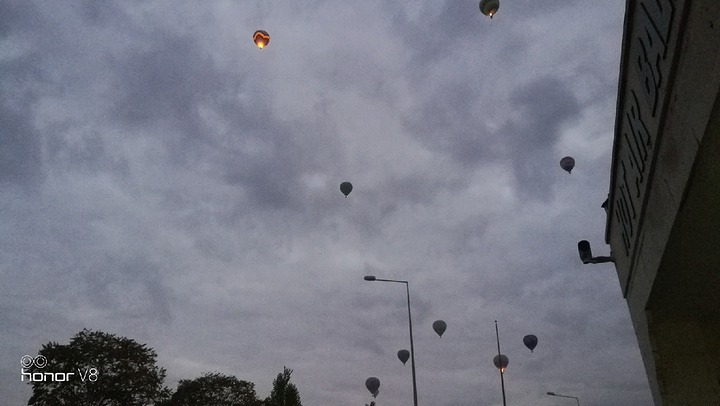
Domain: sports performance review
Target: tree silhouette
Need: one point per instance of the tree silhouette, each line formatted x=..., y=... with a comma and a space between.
x=213, y=389
x=284, y=393
x=95, y=369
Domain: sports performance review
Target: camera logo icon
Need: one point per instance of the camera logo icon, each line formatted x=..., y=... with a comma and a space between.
x=27, y=361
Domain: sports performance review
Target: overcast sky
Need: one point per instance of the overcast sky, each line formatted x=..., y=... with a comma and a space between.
x=163, y=179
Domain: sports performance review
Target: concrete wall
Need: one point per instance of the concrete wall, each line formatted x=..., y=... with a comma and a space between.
x=665, y=192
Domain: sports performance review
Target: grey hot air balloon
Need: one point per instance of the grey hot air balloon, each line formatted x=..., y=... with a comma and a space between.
x=439, y=326
x=530, y=341
x=404, y=355
x=346, y=188
x=501, y=362
x=489, y=7
x=373, y=385
x=567, y=163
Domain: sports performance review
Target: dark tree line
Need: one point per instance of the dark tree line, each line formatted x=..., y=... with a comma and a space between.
x=101, y=369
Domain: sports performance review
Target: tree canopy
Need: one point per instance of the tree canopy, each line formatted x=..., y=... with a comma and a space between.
x=101, y=369
x=95, y=369
x=214, y=389
x=284, y=393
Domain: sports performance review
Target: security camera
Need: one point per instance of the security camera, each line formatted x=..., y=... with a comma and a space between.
x=585, y=251
x=586, y=254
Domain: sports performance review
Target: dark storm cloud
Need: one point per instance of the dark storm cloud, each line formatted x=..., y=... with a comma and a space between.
x=70, y=267
x=129, y=287
x=173, y=80
x=20, y=142
x=34, y=77
x=270, y=161
x=448, y=120
x=267, y=185
x=417, y=188
x=433, y=39
x=168, y=83
x=530, y=7
x=543, y=107
x=87, y=152
x=97, y=13
x=20, y=148
x=16, y=15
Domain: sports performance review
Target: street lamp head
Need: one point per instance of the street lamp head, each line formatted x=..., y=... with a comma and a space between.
x=370, y=278
x=551, y=393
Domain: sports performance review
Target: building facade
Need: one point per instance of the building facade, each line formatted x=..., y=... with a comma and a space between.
x=664, y=203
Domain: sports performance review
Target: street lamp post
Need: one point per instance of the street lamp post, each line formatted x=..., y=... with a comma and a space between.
x=412, y=348
x=565, y=396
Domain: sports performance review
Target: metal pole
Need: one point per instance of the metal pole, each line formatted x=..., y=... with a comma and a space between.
x=412, y=346
x=565, y=396
x=502, y=380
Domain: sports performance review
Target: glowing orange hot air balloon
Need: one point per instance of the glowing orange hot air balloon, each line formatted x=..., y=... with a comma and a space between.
x=261, y=38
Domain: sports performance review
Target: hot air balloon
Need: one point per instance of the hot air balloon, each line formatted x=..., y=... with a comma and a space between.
x=439, y=326
x=501, y=362
x=373, y=385
x=346, y=188
x=567, y=163
x=404, y=355
x=489, y=7
x=530, y=341
x=261, y=38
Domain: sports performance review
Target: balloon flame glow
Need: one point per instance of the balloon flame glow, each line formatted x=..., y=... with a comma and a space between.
x=261, y=38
